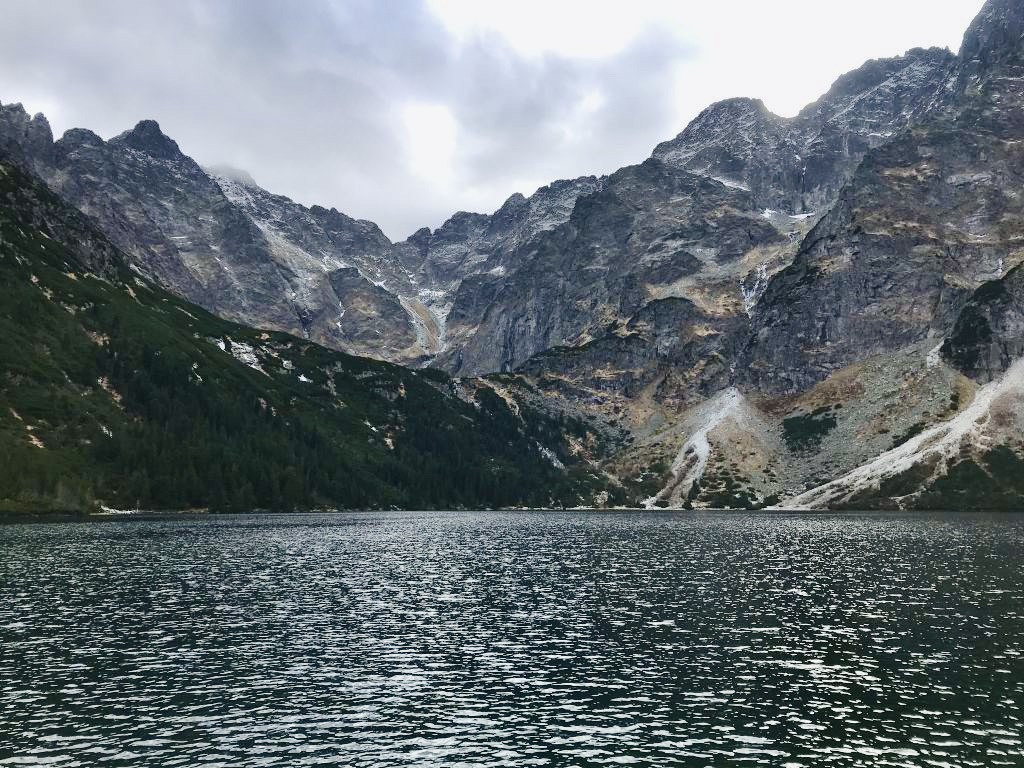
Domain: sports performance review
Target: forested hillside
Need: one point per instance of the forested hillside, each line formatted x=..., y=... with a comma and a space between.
x=114, y=392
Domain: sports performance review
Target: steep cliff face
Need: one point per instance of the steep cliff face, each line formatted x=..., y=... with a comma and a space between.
x=925, y=221
x=28, y=140
x=451, y=268
x=334, y=273
x=653, y=232
x=988, y=336
x=739, y=142
x=992, y=43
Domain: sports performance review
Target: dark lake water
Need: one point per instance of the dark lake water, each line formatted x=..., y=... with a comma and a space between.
x=518, y=639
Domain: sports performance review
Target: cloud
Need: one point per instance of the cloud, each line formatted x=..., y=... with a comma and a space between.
x=403, y=111
x=431, y=142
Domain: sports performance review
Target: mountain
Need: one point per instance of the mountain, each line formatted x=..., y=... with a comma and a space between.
x=114, y=391
x=877, y=366
x=445, y=296
x=919, y=252
x=215, y=238
x=822, y=310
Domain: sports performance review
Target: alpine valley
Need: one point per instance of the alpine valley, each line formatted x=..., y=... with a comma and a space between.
x=824, y=311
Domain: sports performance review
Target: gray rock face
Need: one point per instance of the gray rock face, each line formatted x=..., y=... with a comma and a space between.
x=146, y=137
x=989, y=86
x=341, y=287
x=27, y=140
x=164, y=212
x=653, y=232
x=925, y=221
x=989, y=333
x=451, y=269
x=670, y=351
x=993, y=40
x=49, y=215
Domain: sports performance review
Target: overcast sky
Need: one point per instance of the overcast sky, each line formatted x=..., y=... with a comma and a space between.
x=404, y=111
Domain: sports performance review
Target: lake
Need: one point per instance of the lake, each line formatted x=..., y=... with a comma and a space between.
x=514, y=639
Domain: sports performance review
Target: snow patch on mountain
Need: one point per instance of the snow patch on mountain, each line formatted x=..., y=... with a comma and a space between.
x=692, y=460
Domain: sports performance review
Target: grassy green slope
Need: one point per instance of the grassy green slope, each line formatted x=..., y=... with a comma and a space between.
x=113, y=391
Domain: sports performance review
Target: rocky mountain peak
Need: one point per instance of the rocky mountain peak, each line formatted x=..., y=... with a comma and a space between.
x=15, y=108
x=738, y=106
x=989, y=87
x=886, y=87
x=80, y=137
x=996, y=34
x=722, y=122
x=231, y=173
x=515, y=202
x=421, y=235
x=37, y=125
x=40, y=129
x=32, y=135
x=148, y=138
x=460, y=223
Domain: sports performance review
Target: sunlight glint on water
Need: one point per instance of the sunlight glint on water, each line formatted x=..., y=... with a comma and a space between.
x=514, y=639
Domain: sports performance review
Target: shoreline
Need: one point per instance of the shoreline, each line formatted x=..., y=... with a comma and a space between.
x=112, y=515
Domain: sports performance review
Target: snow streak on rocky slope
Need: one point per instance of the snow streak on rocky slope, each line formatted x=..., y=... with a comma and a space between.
x=995, y=415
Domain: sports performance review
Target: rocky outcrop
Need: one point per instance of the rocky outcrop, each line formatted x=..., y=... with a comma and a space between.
x=670, y=350
x=992, y=43
x=146, y=137
x=989, y=333
x=26, y=140
x=925, y=221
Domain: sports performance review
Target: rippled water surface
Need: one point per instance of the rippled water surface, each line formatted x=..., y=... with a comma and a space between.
x=517, y=639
